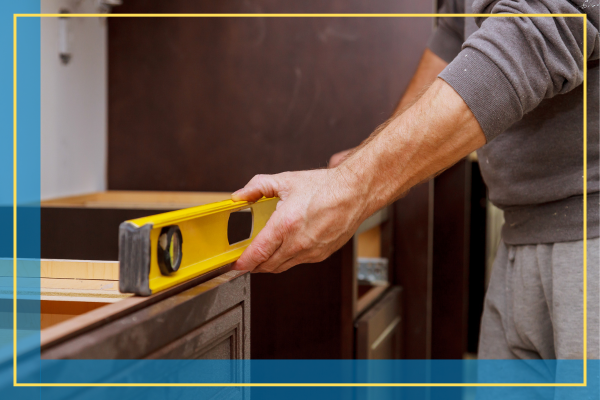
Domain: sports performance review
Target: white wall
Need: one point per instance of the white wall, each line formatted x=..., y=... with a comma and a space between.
x=73, y=103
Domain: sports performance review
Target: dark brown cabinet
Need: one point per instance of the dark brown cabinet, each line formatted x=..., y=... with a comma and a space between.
x=308, y=312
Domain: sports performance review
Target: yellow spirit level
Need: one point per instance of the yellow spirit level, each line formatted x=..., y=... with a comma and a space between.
x=163, y=250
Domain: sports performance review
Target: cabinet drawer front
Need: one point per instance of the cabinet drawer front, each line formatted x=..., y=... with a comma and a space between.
x=379, y=330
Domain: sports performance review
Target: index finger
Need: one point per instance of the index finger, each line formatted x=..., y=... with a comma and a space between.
x=259, y=186
x=264, y=245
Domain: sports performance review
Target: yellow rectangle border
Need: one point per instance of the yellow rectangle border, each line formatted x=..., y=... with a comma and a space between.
x=433, y=15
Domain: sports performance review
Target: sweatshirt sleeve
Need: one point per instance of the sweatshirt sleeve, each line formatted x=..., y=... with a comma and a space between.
x=447, y=39
x=508, y=66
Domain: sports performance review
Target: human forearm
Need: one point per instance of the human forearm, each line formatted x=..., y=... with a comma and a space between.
x=429, y=68
x=437, y=131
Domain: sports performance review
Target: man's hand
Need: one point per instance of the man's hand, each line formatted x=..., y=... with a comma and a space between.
x=317, y=213
x=320, y=210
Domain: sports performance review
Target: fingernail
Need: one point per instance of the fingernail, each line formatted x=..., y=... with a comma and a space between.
x=237, y=267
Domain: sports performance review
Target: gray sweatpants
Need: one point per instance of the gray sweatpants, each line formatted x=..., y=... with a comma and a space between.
x=534, y=311
x=534, y=303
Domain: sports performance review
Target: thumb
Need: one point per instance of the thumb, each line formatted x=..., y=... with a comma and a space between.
x=259, y=186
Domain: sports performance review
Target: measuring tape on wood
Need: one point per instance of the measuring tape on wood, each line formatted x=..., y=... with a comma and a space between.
x=163, y=250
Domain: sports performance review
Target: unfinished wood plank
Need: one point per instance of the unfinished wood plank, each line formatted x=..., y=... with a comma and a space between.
x=62, y=287
x=82, y=298
x=70, y=201
x=49, y=284
x=74, y=295
x=369, y=243
x=81, y=290
x=79, y=269
x=153, y=200
x=72, y=280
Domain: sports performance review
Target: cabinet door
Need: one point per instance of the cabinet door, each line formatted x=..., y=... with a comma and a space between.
x=379, y=329
x=218, y=339
x=210, y=321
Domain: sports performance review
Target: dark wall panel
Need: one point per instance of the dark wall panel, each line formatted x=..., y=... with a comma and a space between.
x=413, y=239
x=451, y=239
x=206, y=103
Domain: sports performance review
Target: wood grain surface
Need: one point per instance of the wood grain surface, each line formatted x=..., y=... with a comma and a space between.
x=141, y=200
x=79, y=269
x=206, y=103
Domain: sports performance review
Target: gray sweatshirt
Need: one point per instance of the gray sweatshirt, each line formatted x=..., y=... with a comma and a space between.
x=522, y=79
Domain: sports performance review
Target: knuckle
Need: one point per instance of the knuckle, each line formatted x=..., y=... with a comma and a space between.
x=291, y=221
x=317, y=255
x=307, y=244
x=303, y=245
x=258, y=180
x=259, y=254
x=285, y=180
x=296, y=248
x=266, y=184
